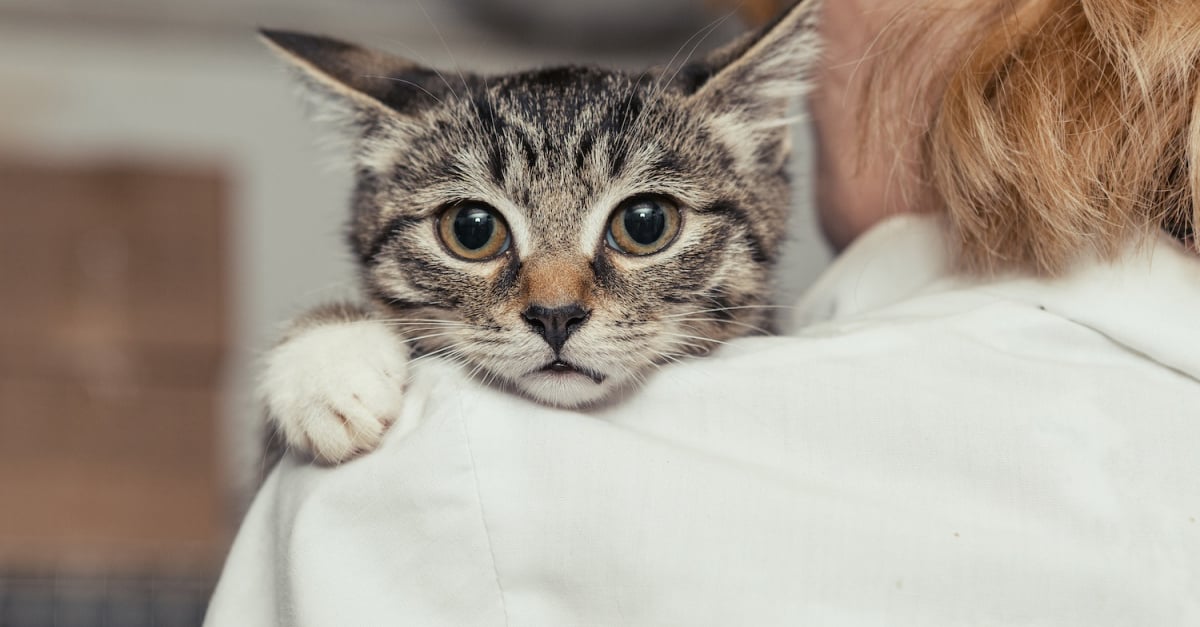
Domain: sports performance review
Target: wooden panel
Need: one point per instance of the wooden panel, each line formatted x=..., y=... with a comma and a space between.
x=115, y=477
x=111, y=272
x=112, y=329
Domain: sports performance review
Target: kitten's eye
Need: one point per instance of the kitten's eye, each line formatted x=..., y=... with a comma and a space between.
x=473, y=231
x=643, y=225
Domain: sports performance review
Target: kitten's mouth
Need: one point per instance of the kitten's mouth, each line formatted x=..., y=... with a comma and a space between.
x=559, y=367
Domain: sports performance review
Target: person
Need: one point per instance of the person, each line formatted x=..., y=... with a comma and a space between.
x=1043, y=130
x=985, y=412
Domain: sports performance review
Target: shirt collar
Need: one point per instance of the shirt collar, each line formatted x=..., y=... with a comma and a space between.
x=894, y=260
x=1147, y=301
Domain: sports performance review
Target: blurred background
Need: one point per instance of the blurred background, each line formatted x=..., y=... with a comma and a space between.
x=164, y=207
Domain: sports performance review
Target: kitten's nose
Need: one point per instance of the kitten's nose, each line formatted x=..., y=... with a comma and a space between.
x=557, y=324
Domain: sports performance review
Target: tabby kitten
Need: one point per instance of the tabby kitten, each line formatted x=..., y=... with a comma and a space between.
x=559, y=232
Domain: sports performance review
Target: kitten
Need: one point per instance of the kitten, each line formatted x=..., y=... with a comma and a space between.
x=559, y=232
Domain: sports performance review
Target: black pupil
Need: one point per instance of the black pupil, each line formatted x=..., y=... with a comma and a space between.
x=645, y=222
x=474, y=227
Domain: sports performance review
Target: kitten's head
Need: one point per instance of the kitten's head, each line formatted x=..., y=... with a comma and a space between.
x=563, y=231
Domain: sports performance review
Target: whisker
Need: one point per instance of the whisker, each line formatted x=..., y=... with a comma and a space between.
x=437, y=31
x=439, y=323
x=626, y=132
x=409, y=340
x=673, y=358
x=736, y=308
x=722, y=321
x=693, y=337
x=455, y=359
x=689, y=348
x=702, y=31
x=408, y=331
x=708, y=30
x=413, y=54
x=469, y=99
x=456, y=347
x=406, y=82
x=677, y=339
x=662, y=86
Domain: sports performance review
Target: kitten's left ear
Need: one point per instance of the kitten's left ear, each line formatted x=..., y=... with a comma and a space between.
x=756, y=79
x=355, y=82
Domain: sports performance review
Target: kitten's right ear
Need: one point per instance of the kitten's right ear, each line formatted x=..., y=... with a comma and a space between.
x=766, y=68
x=354, y=80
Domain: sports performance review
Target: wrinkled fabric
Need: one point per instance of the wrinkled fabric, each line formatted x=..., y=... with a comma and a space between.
x=918, y=449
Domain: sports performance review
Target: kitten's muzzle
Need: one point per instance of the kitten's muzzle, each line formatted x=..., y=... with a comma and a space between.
x=556, y=324
x=566, y=368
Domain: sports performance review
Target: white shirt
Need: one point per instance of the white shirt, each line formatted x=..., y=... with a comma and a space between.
x=920, y=449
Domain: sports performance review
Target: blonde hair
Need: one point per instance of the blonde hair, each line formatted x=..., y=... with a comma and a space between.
x=1055, y=128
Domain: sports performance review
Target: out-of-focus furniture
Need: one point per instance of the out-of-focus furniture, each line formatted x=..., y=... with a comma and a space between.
x=113, y=289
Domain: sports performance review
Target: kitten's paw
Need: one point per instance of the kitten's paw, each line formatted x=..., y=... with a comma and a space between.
x=333, y=390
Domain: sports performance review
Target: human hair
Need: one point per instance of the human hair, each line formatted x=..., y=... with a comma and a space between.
x=1048, y=129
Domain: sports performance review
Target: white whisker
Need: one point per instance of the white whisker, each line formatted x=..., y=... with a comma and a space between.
x=437, y=31
x=437, y=352
x=709, y=30
x=431, y=323
x=413, y=54
x=720, y=321
x=719, y=309
x=406, y=82
x=409, y=340
x=693, y=337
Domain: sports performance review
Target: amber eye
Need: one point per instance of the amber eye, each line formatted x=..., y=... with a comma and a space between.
x=473, y=231
x=643, y=225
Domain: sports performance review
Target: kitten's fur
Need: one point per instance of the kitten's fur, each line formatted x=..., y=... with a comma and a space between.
x=554, y=151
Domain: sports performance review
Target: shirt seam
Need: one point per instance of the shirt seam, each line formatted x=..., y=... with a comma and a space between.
x=487, y=534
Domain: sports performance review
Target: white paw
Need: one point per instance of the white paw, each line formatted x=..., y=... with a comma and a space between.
x=333, y=390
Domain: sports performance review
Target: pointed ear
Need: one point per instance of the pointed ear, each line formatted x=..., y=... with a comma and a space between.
x=353, y=80
x=759, y=76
